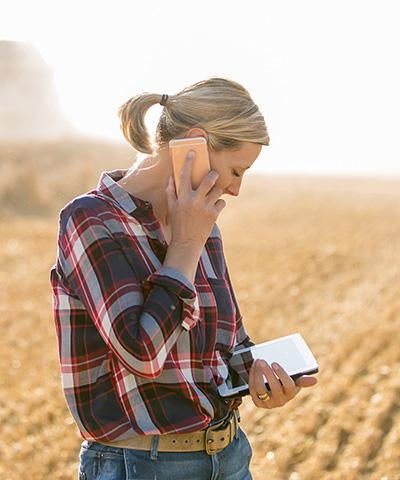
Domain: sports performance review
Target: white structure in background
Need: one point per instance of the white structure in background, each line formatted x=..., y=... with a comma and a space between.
x=28, y=100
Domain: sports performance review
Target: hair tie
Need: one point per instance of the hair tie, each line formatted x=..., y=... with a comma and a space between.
x=164, y=99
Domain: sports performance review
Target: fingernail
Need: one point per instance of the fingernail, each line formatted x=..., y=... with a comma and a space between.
x=276, y=367
x=190, y=155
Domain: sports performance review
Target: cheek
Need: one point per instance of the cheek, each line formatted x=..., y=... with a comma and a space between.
x=223, y=181
x=224, y=178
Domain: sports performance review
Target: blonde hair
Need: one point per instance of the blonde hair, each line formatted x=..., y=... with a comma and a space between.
x=221, y=107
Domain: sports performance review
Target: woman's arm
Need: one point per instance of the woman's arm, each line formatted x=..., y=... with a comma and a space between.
x=139, y=323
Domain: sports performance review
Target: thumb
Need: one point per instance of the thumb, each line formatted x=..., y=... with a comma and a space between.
x=305, y=381
x=171, y=193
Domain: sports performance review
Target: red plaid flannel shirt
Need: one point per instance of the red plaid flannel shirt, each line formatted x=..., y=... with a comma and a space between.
x=142, y=350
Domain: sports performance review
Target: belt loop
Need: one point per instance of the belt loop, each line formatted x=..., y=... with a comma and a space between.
x=154, y=447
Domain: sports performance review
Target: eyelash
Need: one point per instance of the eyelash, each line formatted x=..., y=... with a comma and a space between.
x=236, y=173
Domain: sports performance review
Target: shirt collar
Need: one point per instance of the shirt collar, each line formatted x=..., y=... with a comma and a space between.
x=109, y=187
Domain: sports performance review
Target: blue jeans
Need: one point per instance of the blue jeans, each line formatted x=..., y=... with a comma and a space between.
x=102, y=462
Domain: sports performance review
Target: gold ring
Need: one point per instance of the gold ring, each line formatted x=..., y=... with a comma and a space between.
x=263, y=396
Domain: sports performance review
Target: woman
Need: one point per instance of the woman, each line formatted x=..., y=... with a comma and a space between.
x=145, y=312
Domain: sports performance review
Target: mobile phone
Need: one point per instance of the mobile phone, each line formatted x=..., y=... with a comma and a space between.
x=291, y=352
x=179, y=148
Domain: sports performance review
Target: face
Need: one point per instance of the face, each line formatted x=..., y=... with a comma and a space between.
x=232, y=164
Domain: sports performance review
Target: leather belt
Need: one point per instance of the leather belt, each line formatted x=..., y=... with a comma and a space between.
x=213, y=439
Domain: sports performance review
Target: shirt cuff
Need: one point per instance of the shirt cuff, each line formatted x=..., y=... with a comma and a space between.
x=173, y=281
x=176, y=283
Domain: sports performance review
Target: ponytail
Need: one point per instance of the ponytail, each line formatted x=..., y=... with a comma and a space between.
x=132, y=115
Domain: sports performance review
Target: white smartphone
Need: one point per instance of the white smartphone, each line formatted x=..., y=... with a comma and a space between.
x=291, y=352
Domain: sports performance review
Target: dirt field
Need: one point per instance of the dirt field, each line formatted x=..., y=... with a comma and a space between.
x=319, y=256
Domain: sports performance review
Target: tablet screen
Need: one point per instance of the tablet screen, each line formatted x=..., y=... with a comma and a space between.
x=291, y=352
x=283, y=352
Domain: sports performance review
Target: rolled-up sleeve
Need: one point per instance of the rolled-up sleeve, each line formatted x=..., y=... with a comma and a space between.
x=140, y=321
x=179, y=285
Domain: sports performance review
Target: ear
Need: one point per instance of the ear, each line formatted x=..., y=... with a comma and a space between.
x=196, y=132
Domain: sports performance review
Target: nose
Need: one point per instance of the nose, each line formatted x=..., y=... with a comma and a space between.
x=234, y=186
x=233, y=190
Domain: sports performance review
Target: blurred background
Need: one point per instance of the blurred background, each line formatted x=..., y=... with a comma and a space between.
x=325, y=74
x=318, y=247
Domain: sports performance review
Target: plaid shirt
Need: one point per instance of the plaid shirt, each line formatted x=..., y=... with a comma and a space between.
x=142, y=350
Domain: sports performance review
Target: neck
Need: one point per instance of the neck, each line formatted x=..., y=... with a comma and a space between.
x=148, y=182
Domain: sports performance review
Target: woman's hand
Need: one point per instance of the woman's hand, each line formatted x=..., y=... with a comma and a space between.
x=282, y=387
x=192, y=214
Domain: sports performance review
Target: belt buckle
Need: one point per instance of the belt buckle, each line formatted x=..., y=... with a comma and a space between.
x=231, y=423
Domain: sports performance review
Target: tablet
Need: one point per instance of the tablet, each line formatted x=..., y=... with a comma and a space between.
x=291, y=352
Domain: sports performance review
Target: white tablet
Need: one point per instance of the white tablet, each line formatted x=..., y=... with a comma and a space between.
x=291, y=352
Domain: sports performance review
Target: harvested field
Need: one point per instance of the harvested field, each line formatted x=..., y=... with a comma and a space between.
x=315, y=255
x=326, y=263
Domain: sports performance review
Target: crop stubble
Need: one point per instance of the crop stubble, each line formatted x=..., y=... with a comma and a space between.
x=312, y=255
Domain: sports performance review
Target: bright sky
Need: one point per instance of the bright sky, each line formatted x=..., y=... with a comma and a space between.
x=325, y=74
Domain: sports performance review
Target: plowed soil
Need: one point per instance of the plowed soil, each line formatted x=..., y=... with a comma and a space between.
x=312, y=255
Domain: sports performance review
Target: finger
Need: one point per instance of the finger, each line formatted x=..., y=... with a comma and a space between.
x=207, y=183
x=185, y=175
x=259, y=380
x=305, y=381
x=260, y=385
x=171, y=187
x=220, y=205
x=273, y=382
x=171, y=193
x=289, y=387
x=213, y=195
x=257, y=387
